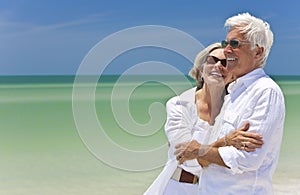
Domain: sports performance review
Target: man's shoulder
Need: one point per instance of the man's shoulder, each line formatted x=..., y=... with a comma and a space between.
x=267, y=83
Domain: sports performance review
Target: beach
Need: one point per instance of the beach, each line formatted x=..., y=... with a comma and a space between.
x=42, y=151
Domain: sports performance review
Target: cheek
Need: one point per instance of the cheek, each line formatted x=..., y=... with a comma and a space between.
x=205, y=73
x=224, y=71
x=207, y=69
x=223, y=68
x=230, y=69
x=246, y=56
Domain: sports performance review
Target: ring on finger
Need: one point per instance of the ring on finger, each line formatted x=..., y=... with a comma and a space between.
x=244, y=144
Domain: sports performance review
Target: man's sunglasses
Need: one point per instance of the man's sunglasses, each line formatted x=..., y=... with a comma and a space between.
x=234, y=43
x=214, y=60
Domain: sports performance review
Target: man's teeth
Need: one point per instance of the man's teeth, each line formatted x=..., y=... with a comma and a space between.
x=231, y=59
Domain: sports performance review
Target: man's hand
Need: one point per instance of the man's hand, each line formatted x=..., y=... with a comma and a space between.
x=243, y=140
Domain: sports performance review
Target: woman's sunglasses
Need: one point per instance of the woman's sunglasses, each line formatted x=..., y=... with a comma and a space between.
x=214, y=60
x=234, y=43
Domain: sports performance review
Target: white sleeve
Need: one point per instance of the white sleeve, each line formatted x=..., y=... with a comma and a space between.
x=266, y=119
x=178, y=128
x=179, y=122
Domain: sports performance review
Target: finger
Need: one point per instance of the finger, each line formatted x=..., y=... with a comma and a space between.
x=177, y=152
x=179, y=155
x=251, y=145
x=253, y=141
x=252, y=135
x=243, y=145
x=247, y=149
x=180, y=161
x=245, y=127
x=178, y=146
x=256, y=142
x=181, y=145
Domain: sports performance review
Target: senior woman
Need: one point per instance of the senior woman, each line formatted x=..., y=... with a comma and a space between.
x=190, y=116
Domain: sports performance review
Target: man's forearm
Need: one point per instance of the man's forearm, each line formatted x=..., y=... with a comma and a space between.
x=211, y=154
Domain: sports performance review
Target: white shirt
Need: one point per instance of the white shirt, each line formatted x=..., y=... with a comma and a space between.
x=182, y=125
x=255, y=98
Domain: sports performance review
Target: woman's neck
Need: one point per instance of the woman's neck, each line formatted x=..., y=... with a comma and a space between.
x=209, y=100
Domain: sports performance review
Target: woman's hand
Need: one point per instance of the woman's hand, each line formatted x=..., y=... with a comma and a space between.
x=187, y=151
x=243, y=140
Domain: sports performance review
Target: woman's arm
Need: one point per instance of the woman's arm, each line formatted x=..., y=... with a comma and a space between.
x=178, y=123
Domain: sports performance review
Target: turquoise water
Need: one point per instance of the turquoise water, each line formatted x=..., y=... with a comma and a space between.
x=42, y=152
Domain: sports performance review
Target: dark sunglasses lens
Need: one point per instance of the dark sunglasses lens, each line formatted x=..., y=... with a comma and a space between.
x=224, y=44
x=223, y=62
x=214, y=60
x=211, y=60
x=234, y=43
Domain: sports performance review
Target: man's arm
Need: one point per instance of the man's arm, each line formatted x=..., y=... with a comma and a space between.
x=240, y=139
x=193, y=149
x=266, y=119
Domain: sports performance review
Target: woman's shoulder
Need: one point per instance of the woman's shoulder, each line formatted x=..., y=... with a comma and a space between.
x=184, y=98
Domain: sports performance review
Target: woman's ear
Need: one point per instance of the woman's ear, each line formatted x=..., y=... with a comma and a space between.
x=198, y=74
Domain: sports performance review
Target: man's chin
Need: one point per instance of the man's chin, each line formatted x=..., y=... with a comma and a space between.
x=229, y=67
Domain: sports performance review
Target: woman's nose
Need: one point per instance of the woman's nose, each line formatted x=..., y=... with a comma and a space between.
x=219, y=65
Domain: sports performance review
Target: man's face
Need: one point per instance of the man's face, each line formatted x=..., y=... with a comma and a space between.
x=240, y=60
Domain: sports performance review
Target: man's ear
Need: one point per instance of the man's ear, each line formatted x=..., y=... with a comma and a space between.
x=259, y=52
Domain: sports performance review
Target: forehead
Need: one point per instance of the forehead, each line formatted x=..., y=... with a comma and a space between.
x=217, y=52
x=235, y=33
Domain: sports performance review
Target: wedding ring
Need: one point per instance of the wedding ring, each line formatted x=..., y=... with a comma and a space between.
x=244, y=145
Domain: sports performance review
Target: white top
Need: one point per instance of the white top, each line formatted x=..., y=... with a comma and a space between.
x=255, y=98
x=182, y=125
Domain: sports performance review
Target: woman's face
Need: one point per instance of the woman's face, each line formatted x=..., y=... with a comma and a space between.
x=214, y=70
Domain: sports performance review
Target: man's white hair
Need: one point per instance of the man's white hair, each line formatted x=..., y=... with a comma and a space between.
x=255, y=30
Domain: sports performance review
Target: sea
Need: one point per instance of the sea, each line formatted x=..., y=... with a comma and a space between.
x=104, y=135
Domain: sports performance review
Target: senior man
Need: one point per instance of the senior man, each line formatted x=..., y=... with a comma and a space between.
x=254, y=97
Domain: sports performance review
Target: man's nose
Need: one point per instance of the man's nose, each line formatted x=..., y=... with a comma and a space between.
x=227, y=49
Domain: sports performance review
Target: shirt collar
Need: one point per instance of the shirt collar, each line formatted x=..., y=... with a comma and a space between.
x=246, y=80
